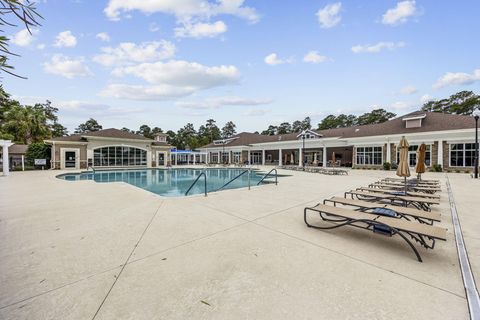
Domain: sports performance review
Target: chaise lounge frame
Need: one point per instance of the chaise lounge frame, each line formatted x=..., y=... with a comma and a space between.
x=423, y=234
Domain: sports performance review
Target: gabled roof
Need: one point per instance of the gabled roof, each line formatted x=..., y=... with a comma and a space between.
x=18, y=149
x=106, y=133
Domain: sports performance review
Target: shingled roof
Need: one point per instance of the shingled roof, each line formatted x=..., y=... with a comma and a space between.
x=433, y=121
x=106, y=133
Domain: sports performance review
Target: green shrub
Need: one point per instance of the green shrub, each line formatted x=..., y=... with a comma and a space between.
x=387, y=166
x=37, y=150
x=437, y=168
x=393, y=166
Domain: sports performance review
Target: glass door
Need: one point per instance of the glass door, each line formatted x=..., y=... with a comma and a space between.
x=70, y=159
x=161, y=159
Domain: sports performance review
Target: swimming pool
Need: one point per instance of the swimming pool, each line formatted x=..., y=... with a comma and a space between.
x=171, y=182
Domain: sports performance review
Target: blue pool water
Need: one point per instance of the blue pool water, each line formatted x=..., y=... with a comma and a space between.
x=170, y=182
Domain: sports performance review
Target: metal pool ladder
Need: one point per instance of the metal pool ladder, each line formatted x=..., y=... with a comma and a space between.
x=269, y=172
x=226, y=184
x=198, y=178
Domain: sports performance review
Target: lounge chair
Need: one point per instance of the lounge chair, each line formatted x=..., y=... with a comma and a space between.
x=417, y=202
x=413, y=181
x=385, y=222
x=401, y=192
x=404, y=212
x=398, y=186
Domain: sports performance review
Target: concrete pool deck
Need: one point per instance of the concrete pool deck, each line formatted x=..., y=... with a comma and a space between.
x=84, y=250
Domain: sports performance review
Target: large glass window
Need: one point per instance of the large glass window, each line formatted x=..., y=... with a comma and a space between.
x=369, y=155
x=462, y=155
x=119, y=156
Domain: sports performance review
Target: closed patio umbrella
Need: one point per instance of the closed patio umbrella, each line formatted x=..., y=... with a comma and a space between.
x=403, y=170
x=333, y=159
x=420, y=166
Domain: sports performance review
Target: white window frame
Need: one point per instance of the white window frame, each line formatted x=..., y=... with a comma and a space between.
x=372, y=164
x=463, y=156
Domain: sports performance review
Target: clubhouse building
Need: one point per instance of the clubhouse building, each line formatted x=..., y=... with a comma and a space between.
x=109, y=148
x=449, y=139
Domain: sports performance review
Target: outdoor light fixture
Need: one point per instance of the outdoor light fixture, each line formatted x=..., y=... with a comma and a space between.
x=476, y=115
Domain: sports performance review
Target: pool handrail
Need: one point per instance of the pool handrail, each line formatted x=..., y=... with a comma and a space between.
x=266, y=175
x=93, y=169
x=194, y=182
x=231, y=180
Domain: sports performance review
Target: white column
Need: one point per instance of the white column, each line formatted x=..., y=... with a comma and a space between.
x=5, y=159
x=440, y=153
x=220, y=158
x=324, y=158
x=23, y=162
x=176, y=158
x=249, y=157
x=207, y=157
x=389, y=152
x=280, y=163
x=300, y=157
x=229, y=157
x=195, y=158
x=263, y=157
x=315, y=160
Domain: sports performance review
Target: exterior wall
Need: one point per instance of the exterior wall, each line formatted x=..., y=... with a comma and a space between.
x=155, y=151
x=446, y=156
x=434, y=153
x=56, y=159
x=393, y=153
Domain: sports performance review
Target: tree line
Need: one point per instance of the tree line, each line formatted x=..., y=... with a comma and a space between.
x=27, y=124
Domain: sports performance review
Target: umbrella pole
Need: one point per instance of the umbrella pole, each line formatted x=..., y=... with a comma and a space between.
x=405, y=180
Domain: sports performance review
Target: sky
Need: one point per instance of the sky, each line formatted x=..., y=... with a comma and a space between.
x=169, y=62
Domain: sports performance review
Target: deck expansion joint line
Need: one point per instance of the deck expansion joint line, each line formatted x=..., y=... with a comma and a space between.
x=126, y=261
x=467, y=275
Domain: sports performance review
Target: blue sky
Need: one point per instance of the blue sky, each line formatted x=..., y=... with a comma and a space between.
x=165, y=63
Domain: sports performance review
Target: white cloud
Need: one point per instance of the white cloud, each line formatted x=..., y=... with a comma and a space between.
x=329, y=16
x=171, y=79
x=182, y=73
x=139, y=92
x=183, y=10
x=200, y=30
x=67, y=67
x=41, y=46
x=219, y=102
x=256, y=112
x=457, y=78
x=128, y=52
x=377, y=47
x=23, y=38
x=103, y=36
x=273, y=60
x=314, y=57
x=400, y=14
x=408, y=90
x=65, y=39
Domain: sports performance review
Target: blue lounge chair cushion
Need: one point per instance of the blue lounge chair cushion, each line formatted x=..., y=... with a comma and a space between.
x=383, y=212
